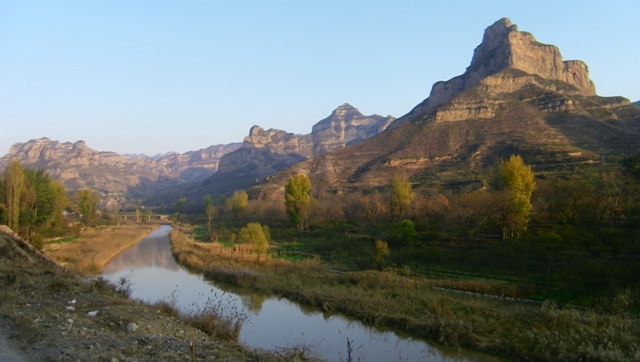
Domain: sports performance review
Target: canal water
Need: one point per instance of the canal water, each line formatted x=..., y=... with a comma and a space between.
x=271, y=323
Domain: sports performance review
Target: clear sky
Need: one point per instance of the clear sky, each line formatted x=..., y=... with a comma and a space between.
x=158, y=76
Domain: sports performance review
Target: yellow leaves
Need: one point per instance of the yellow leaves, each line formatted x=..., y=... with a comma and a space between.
x=518, y=181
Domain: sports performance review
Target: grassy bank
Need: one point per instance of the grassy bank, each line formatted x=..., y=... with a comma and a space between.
x=424, y=307
x=94, y=248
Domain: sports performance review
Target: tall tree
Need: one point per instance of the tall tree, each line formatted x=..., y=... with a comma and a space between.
x=382, y=252
x=254, y=234
x=238, y=202
x=401, y=197
x=14, y=185
x=298, y=201
x=180, y=206
x=518, y=182
x=60, y=203
x=209, y=209
x=38, y=201
x=88, y=204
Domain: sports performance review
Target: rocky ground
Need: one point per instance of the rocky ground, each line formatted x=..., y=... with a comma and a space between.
x=48, y=313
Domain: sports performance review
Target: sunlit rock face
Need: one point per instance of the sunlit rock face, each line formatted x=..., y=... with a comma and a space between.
x=502, y=47
x=345, y=126
x=266, y=152
x=78, y=166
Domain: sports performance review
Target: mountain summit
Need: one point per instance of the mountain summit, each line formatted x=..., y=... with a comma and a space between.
x=503, y=47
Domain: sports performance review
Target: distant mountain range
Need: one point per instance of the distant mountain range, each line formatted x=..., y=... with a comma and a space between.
x=116, y=177
x=138, y=177
x=516, y=97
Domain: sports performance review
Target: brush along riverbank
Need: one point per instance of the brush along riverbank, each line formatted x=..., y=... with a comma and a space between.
x=417, y=305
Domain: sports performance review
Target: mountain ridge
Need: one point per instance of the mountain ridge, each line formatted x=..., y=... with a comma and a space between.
x=78, y=166
x=517, y=97
x=267, y=152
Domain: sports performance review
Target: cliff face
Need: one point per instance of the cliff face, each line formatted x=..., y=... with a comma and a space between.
x=516, y=97
x=279, y=149
x=345, y=126
x=197, y=165
x=266, y=152
x=508, y=60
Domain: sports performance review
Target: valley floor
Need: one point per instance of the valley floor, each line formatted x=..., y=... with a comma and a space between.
x=426, y=307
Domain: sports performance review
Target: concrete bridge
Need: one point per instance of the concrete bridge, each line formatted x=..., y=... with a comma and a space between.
x=142, y=217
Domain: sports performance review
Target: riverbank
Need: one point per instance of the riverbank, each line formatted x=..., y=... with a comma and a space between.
x=94, y=248
x=419, y=306
x=50, y=314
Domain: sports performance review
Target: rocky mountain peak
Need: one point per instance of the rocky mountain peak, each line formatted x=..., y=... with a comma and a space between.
x=265, y=152
x=504, y=47
x=346, y=109
x=344, y=126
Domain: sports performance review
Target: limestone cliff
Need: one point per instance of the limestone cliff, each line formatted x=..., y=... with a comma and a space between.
x=508, y=60
x=345, y=126
x=266, y=152
x=78, y=166
x=278, y=142
x=196, y=165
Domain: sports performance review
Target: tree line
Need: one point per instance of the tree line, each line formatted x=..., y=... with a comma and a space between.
x=575, y=232
x=34, y=205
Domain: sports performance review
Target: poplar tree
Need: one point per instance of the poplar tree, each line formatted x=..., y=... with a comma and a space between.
x=14, y=185
x=61, y=202
x=88, y=204
x=297, y=200
x=254, y=234
x=238, y=202
x=401, y=197
x=209, y=209
x=517, y=179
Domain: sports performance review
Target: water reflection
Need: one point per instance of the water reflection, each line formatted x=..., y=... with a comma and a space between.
x=272, y=322
x=145, y=254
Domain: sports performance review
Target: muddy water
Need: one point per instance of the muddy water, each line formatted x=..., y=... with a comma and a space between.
x=272, y=323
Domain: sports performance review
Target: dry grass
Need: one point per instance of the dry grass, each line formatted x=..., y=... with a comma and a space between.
x=414, y=304
x=94, y=249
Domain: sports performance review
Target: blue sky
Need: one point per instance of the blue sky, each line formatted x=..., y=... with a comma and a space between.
x=158, y=76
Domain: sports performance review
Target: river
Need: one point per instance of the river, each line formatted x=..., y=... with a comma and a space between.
x=271, y=322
